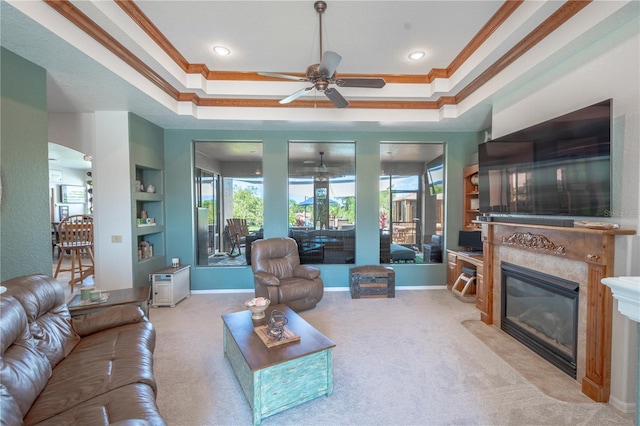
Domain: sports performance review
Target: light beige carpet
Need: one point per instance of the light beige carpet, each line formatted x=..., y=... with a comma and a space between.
x=411, y=360
x=534, y=368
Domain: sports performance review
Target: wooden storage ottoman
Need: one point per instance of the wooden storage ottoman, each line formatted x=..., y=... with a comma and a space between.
x=372, y=281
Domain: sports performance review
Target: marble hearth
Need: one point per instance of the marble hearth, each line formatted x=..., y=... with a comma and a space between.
x=582, y=255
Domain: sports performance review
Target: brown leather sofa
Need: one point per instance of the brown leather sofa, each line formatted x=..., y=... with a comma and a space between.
x=94, y=369
x=339, y=244
x=279, y=276
x=308, y=253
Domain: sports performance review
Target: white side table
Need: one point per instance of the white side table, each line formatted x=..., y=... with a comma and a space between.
x=170, y=285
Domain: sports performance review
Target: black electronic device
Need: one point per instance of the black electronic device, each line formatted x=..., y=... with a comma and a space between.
x=561, y=167
x=470, y=241
x=535, y=220
x=484, y=218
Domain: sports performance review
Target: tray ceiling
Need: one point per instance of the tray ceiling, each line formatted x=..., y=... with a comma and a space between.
x=156, y=60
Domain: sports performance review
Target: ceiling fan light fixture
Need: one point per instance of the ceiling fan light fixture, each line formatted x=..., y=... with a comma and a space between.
x=221, y=50
x=416, y=55
x=323, y=74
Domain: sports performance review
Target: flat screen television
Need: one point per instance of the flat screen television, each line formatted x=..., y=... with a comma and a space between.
x=561, y=167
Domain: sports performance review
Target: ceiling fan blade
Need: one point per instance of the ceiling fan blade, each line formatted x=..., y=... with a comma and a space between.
x=296, y=95
x=329, y=63
x=278, y=75
x=373, y=83
x=338, y=100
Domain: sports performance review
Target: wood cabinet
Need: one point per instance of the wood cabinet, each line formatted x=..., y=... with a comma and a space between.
x=452, y=268
x=484, y=288
x=456, y=260
x=471, y=202
x=481, y=291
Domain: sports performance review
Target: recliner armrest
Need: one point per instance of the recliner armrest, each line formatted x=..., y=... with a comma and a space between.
x=306, y=271
x=265, y=278
x=107, y=318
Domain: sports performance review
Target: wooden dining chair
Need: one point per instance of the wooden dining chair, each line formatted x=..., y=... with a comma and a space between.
x=75, y=236
x=55, y=244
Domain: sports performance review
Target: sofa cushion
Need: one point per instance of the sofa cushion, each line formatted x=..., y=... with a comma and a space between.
x=127, y=405
x=100, y=363
x=402, y=253
x=42, y=298
x=296, y=288
x=9, y=409
x=300, y=294
x=24, y=370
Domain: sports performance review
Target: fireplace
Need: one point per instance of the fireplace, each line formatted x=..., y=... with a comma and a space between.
x=541, y=311
x=578, y=254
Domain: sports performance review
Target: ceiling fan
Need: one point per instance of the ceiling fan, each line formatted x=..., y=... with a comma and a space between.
x=320, y=168
x=323, y=74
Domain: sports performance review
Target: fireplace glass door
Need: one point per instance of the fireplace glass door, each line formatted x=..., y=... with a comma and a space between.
x=541, y=311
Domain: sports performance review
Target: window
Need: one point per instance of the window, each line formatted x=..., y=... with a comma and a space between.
x=411, y=202
x=228, y=185
x=322, y=201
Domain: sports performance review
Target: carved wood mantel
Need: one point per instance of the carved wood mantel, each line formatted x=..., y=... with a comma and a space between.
x=594, y=247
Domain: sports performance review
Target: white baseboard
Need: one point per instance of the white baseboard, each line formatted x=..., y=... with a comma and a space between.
x=625, y=407
x=417, y=287
x=398, y=288
x=250, y=290
x=231, y=290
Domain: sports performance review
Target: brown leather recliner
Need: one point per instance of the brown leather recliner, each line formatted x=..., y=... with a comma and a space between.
x=279, y=276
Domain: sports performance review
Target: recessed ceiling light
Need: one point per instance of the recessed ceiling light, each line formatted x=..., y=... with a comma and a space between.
x=416, y=55
x=221, y=50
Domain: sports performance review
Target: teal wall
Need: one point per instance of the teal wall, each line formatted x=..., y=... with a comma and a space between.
x=25, y=223
x=146, y=149
x=146, y=142
x=181, y=204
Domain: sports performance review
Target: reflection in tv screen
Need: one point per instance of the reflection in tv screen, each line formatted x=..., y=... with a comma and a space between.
x=561, y=167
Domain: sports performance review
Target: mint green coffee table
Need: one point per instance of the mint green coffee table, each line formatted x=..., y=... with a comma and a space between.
x=277, y=378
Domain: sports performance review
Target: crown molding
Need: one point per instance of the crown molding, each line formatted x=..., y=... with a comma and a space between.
x=74, y=15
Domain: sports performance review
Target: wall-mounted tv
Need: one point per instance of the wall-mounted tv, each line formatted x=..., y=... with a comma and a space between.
x=561, y=167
